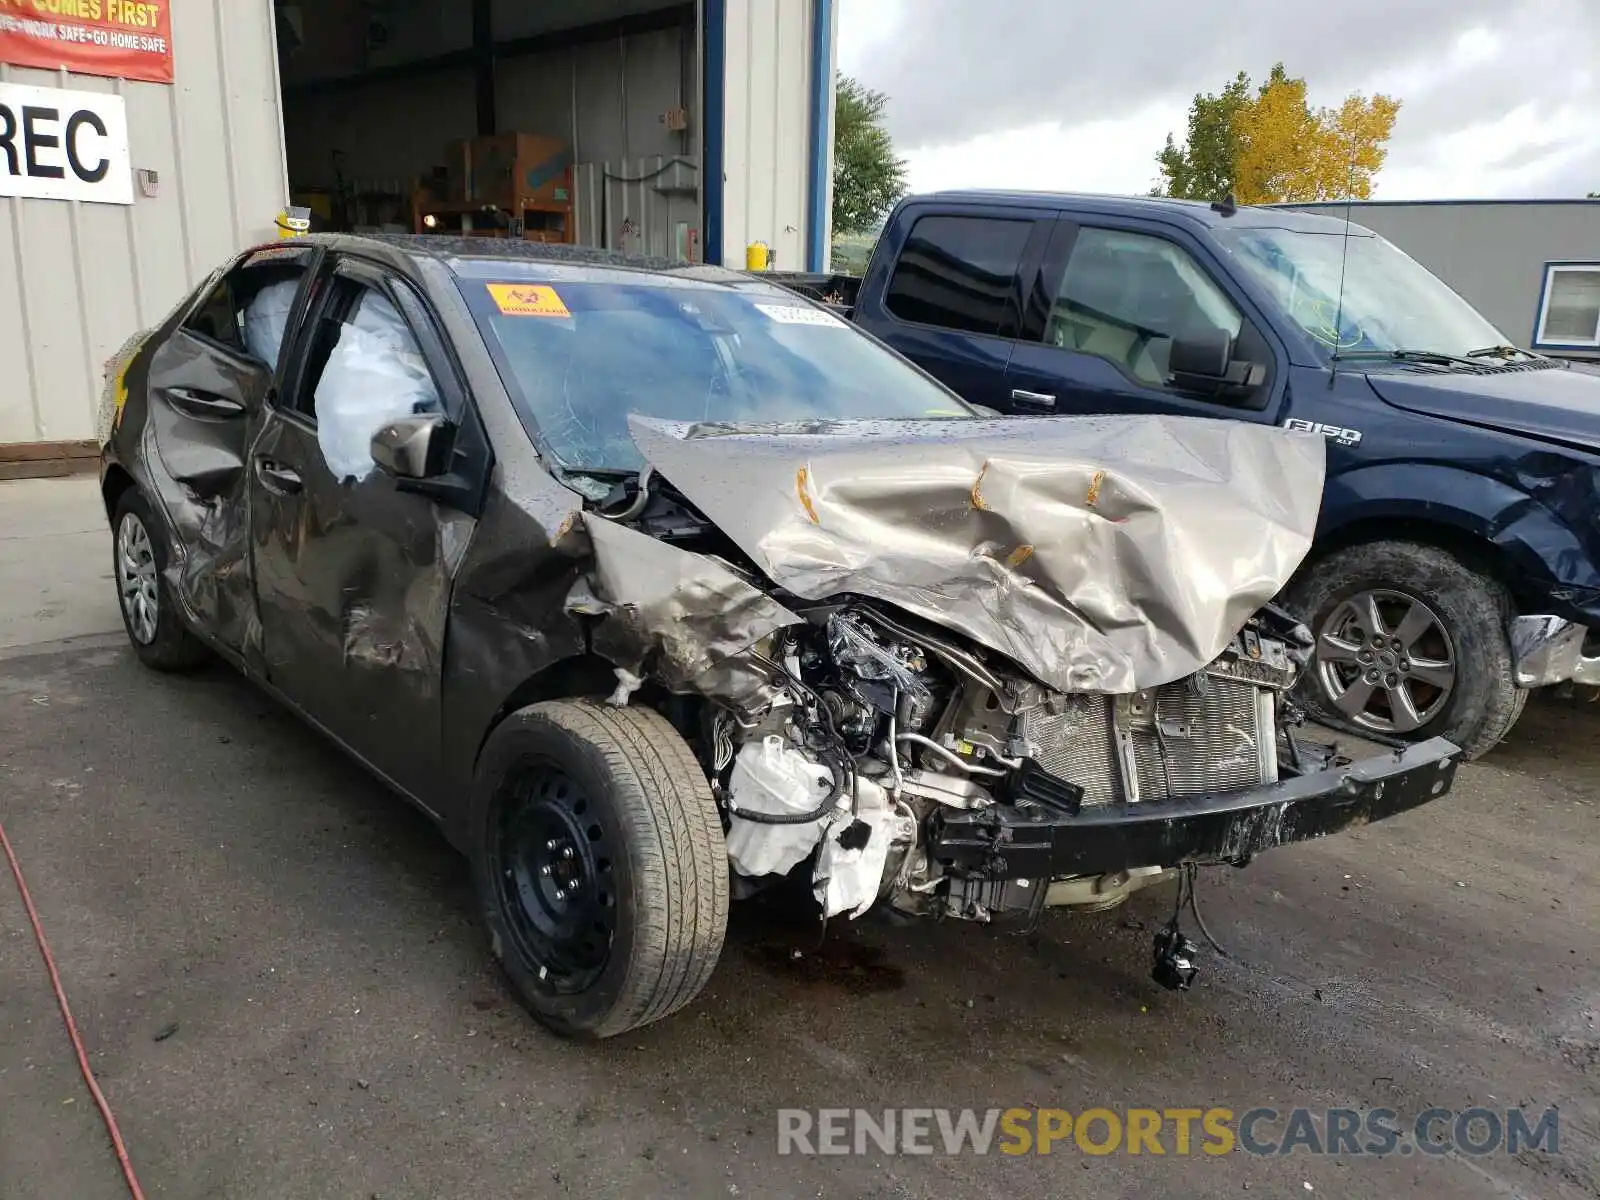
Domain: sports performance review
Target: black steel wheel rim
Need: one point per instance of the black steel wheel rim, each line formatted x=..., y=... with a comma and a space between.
x=553, y=875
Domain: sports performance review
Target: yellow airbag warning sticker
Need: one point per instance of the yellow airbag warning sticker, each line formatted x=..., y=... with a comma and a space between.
x=527, y=300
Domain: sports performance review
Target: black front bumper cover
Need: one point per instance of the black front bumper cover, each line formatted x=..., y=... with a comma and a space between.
x=1009, y=842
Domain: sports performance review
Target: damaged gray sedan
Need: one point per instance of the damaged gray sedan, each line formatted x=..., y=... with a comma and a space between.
x=656, y=585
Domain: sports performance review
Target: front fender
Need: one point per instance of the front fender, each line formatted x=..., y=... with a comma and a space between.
x=1549, y=556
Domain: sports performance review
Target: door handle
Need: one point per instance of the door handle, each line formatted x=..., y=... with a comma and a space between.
x=195, y=403
x=275, y=477
x=1025, y=399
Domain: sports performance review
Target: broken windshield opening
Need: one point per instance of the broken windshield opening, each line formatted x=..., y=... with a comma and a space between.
x=579, y=357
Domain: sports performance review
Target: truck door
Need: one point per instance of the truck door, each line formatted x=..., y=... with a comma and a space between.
x=1110, y=300
x=952, y=303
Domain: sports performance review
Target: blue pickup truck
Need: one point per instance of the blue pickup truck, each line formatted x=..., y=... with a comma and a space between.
x=1457, y=559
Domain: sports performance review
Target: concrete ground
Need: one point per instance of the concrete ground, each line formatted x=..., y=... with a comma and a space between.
x=276, y=971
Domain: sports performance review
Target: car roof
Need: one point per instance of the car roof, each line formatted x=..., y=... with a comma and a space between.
x=452, y=251
x=1197, y=212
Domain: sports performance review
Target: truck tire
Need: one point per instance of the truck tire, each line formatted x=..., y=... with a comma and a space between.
x=1411, y=644
x=599, y=865
x=156, y=629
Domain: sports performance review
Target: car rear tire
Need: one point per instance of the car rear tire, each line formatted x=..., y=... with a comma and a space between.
x=138, y=564
x=1411, y=644
x=599, y=865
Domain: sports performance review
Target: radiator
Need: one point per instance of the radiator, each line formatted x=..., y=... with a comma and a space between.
x=1173, y=741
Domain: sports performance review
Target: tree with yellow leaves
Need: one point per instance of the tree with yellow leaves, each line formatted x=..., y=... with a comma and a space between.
x=1272, y=147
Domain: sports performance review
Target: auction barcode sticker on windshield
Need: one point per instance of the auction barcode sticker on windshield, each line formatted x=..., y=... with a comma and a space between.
x=796, y=314
x=528, y=300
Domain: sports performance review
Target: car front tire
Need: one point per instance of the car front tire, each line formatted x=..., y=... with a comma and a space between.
x=1411, y=644
x=599, y=865
x=138, y=563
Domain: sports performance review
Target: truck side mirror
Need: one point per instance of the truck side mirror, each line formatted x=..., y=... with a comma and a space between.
x=1201, y=353
x=1201, y=361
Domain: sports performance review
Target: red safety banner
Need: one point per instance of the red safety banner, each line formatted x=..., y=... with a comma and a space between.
x=122, y=39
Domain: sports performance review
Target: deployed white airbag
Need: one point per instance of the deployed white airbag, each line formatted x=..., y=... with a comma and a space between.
x=266, y=317
x=374, y=375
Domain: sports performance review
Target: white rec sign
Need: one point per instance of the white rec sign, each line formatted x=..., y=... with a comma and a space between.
x=59, y=145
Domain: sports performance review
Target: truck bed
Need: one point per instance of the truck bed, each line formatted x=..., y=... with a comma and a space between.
x=834, y=291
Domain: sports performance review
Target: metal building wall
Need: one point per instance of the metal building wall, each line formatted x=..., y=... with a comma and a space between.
x=1493, y=252
x=605, y=98
x=777, y=61
x=76, y=278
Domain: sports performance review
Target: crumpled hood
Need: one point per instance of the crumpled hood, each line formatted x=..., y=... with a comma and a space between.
x=1099, y=554
x=1555, y=404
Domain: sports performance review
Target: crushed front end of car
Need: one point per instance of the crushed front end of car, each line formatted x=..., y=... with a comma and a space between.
x=970, y=668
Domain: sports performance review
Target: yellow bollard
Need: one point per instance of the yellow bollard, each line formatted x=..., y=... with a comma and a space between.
x=757, y=256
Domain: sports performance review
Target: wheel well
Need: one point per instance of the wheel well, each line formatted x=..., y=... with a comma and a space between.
x=1481, y=555
x=112, y=486
x=589, y=675
x=585, y=675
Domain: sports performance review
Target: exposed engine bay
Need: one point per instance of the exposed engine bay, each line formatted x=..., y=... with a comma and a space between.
x=977, y=669
x=900, y=763
x=896, y=755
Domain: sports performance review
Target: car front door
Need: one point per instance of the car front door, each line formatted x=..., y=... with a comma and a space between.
x=354, y=567
x=952, y=304
x=1110, y=300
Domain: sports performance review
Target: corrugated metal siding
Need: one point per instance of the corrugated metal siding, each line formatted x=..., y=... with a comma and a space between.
x=606, y=98
x=76, y=279
x=646, y=207
x=1492, y=253
x=767, y=100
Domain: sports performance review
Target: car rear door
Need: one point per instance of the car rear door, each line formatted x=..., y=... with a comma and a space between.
x=952, y=303
x=1110, y=295
x=354, y=568
x=208, y=385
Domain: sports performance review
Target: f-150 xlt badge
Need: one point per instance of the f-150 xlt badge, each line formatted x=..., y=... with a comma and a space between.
x=1345, y=437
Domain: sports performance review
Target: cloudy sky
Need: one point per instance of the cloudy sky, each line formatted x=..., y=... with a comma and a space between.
x=1500, y=97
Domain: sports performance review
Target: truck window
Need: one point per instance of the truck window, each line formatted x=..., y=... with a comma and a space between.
x=1359, y=292
x=1124, y=296
x=959, y=272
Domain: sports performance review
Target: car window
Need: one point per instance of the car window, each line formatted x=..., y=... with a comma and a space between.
x=1124, y=296
x=366, y=369
x=247, y=310
x=959, y=273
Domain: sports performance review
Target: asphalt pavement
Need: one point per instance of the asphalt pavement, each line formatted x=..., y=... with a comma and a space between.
x=277, y=974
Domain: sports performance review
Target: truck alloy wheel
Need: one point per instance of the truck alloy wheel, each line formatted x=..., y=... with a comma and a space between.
x=1411, y=643
x=1386, y=661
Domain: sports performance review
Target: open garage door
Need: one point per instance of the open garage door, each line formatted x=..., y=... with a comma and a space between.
x=564, y=121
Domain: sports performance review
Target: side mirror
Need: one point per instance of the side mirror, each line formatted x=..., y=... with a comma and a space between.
x=1201, y=361
x=416, y=447
x=1201, y=353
